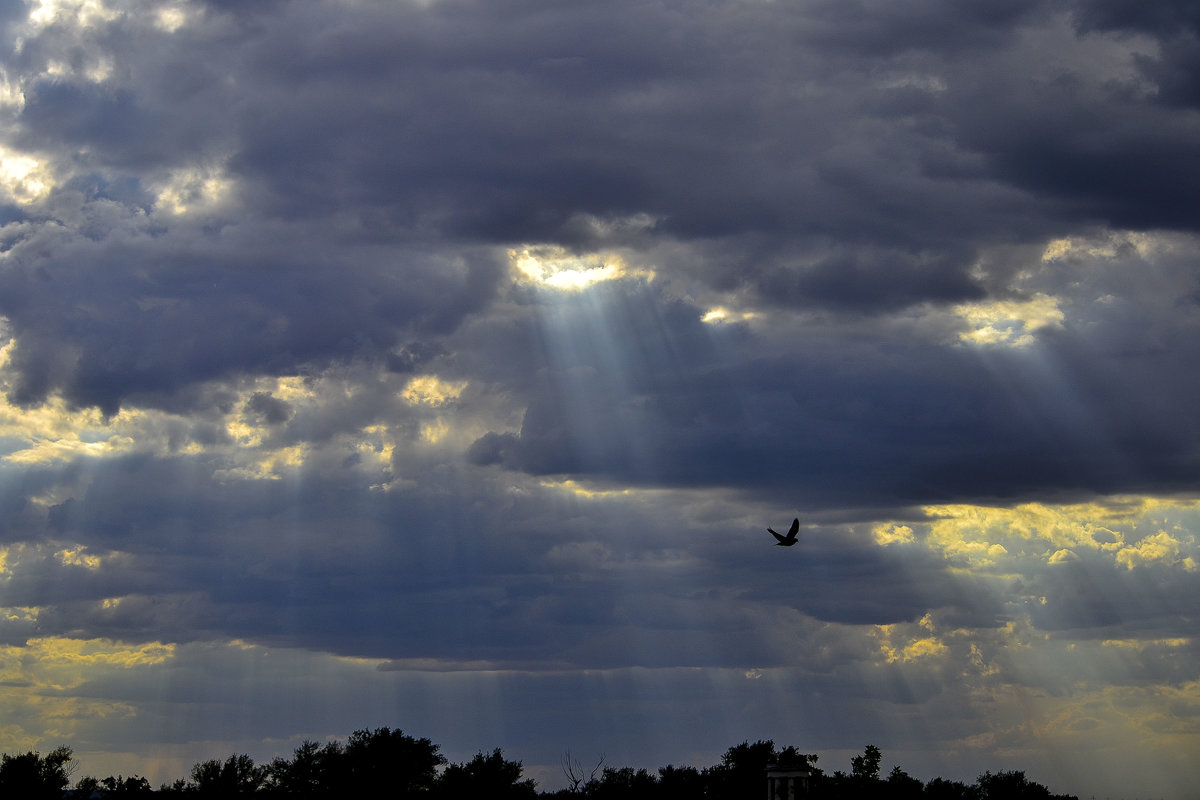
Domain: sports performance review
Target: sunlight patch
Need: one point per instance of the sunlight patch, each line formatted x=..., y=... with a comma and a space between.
x=1063, y=556
x=979, y=534
x=720, y=314
x=1108, y=246
x=270, y=467
x=24, y=177
x=1161, y=548
x=54, y=662
x=42, y=673
x=897, y=645
x=84, y=13
x=1008, y=323
x=376, y=445
x=194, y=190
x=557, y=268
x=78, y=557
x=430, y=390
x=267, y=405
x=892, y=534
x=580, y=490
x=1143, y=644
x=968, y=534
x=18, y=613
x=52, y=432
x=435, y=431
x=12, y=95
x=98, y=71
x=171, y=18
x=68, y=449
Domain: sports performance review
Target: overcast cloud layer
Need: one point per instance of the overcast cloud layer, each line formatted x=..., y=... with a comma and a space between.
x=441, y=364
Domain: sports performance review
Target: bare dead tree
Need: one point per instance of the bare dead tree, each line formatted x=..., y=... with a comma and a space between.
x=574, y=770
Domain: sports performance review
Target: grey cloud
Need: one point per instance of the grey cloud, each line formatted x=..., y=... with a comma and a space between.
x=98, y=333
x=663, y=402
x=858, y=178
x=1175, y=26
x=458, y=128
x=1162, y=19
x=431, y=577
x=270, y=409
x=1096, y=598
x=77, y=116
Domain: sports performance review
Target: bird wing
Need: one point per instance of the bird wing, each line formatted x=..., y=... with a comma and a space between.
x=776, y=535
x=792, y=531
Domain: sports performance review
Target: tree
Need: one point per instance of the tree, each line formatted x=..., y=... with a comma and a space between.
x=902, y=786
x=680, y=783
x=488, y=776
x=386, y=761
x=742, y=770
x=86, y=785
x=866, y=766
x=121, y=786
x=238, y=774
x=573, y=769
x=1011, y=785
x=941, y=789
x=178, y=786
x=791, y=757
x=34, y=776
x=314, y=769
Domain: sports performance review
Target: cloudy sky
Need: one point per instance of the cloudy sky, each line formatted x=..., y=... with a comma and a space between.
x=440, y=365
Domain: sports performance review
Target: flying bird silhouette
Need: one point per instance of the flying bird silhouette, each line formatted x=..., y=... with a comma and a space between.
x=790, y=539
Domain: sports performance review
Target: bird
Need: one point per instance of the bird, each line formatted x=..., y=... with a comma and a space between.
x=790, y=539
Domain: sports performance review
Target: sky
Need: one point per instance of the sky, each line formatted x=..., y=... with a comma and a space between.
x=440, y=365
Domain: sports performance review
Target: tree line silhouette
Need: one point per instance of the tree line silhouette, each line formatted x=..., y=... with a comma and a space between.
x=389, y=763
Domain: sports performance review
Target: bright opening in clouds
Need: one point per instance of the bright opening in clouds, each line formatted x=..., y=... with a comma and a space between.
x=441, y=365
x=554, y=267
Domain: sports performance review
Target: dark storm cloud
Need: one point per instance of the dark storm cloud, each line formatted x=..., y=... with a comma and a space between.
x=799, y=157
x=275, y=245
x=637, y=389
x=894, y=132
x=1093, y=598
x=270, y=409
x=206, y=308
x=429, y=574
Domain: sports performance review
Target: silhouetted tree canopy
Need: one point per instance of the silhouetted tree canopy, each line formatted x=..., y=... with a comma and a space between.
x=742, y=771
x=119, y=786
x=623, y=782
x=389, y=763
x=313, y=770
x=866, y=766
x=1011, y=786
x=34, y=776
x=238, y=774
x=680, y=783
x=939, y=789
x=489, y=777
